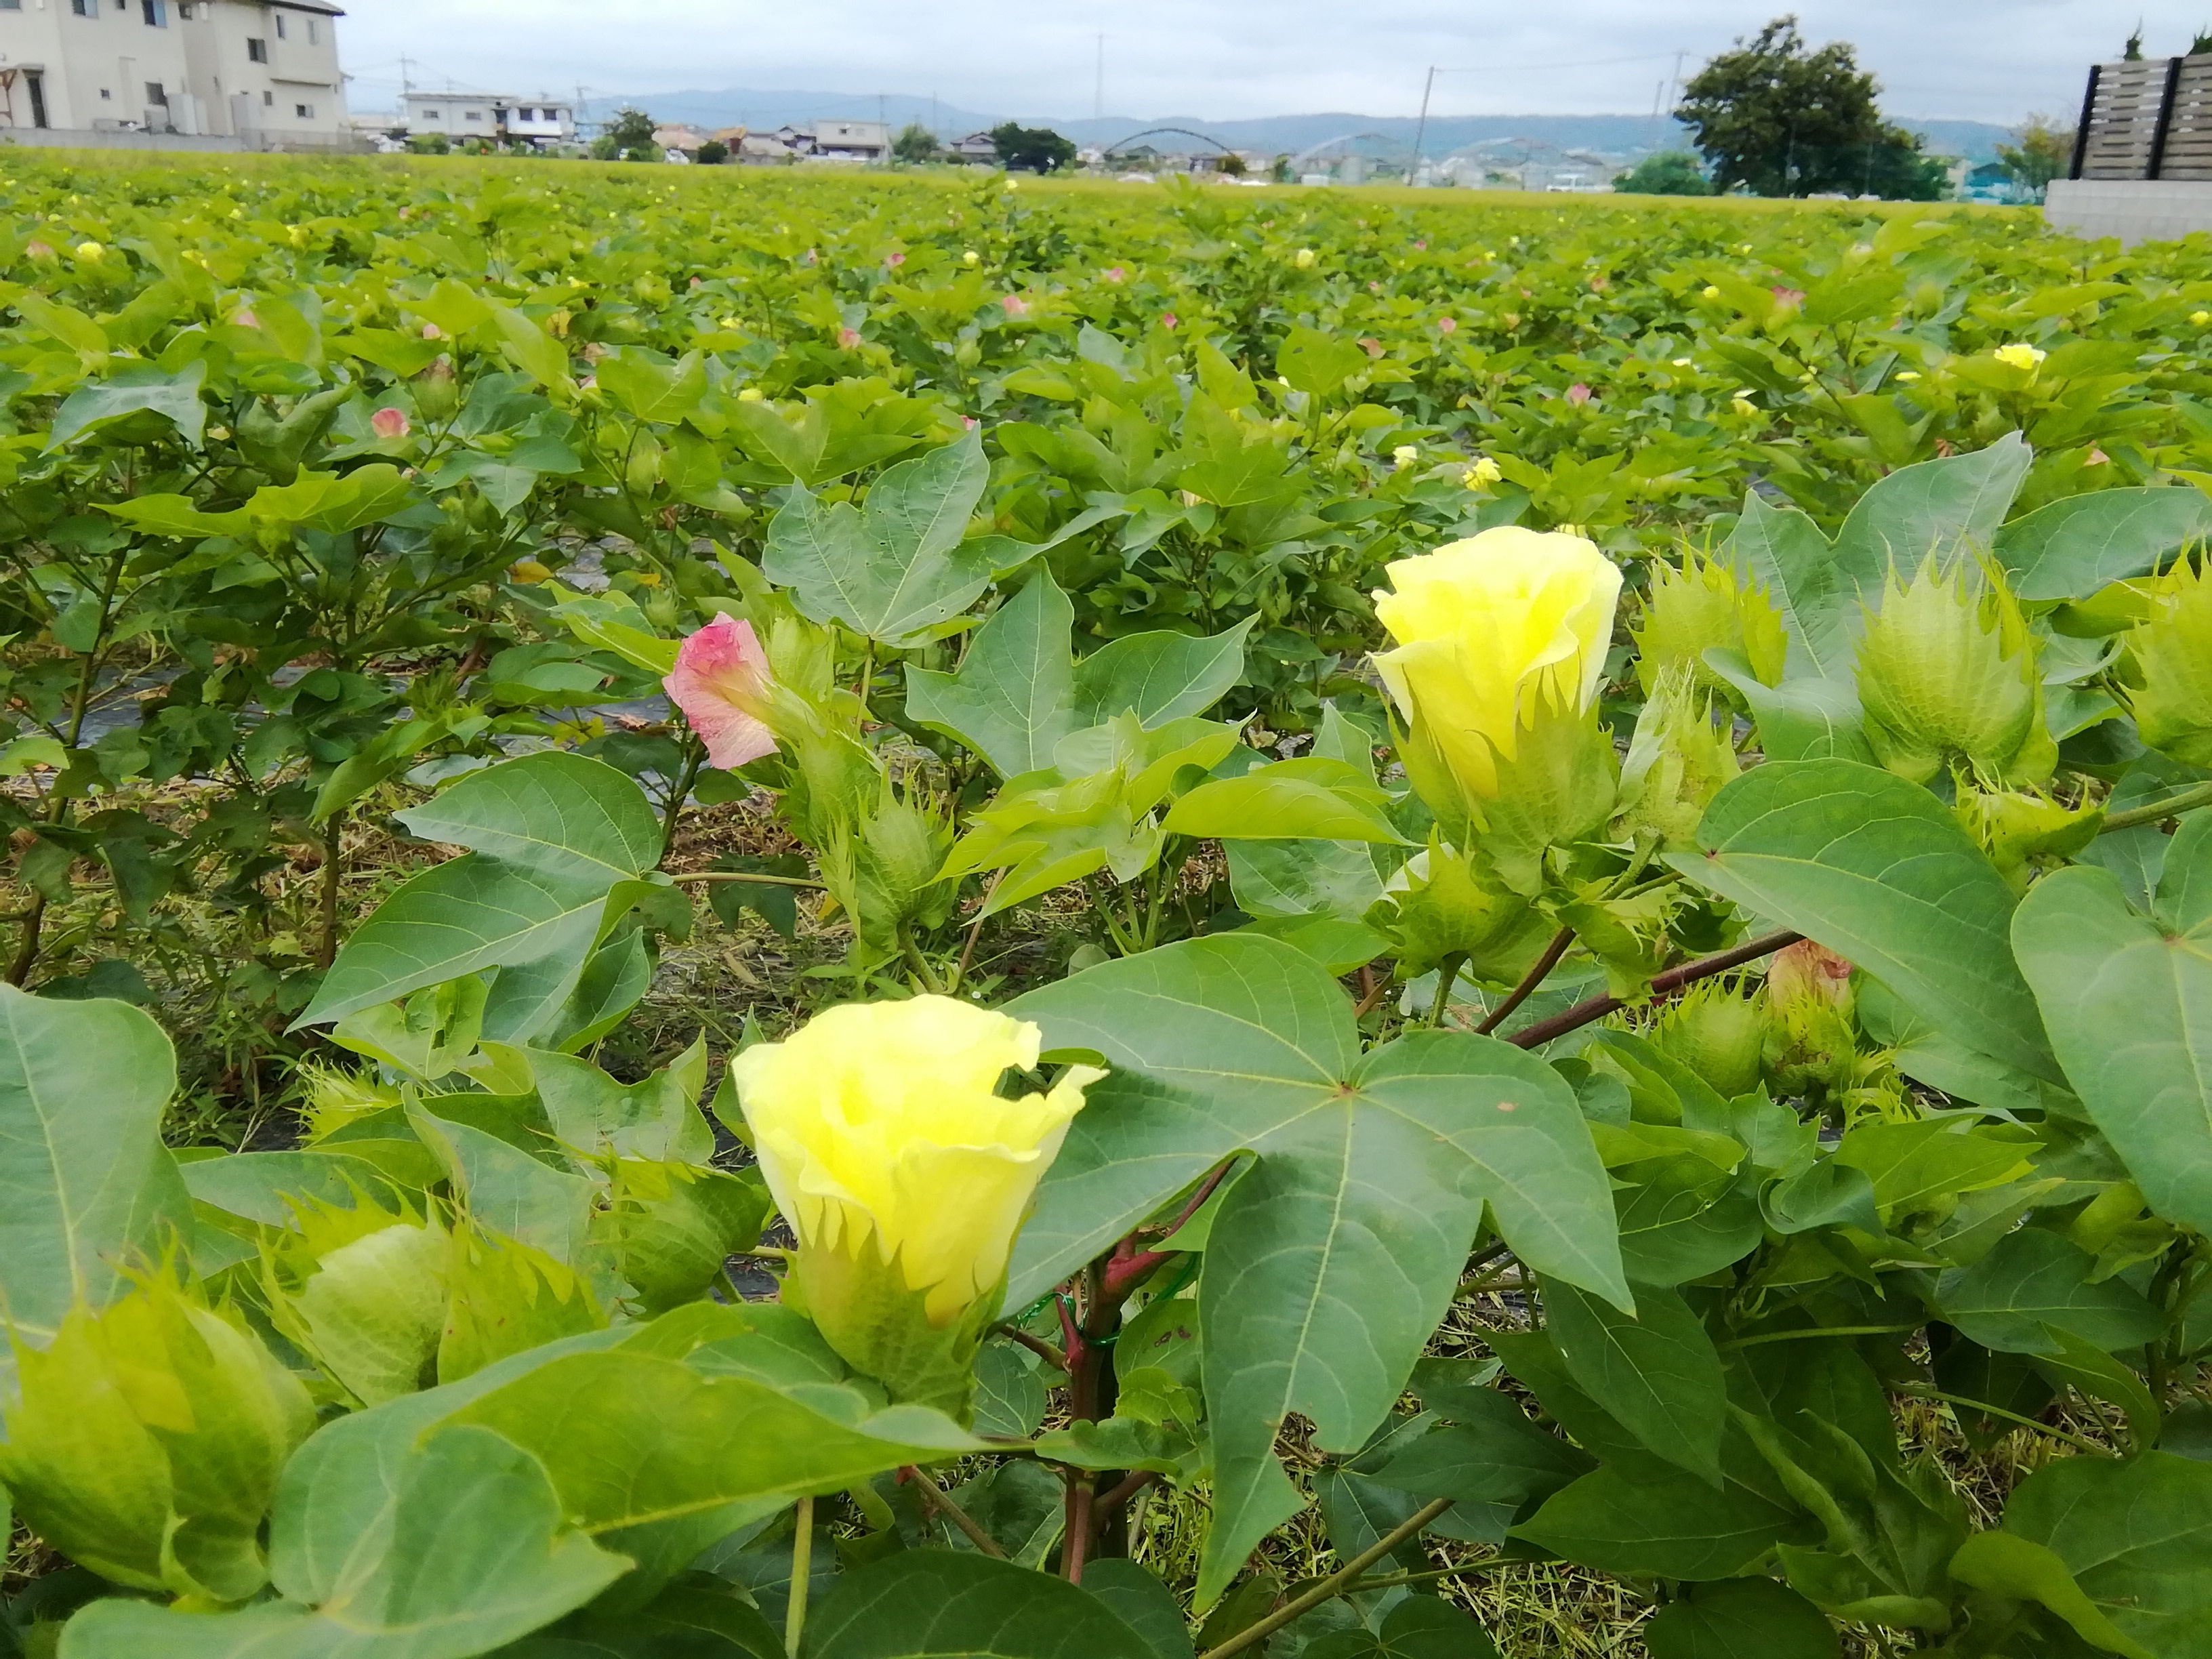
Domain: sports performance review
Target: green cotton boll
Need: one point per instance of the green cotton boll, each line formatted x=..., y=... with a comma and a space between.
x=2023, y=833
x=1445, y=904
x=1559, y=789
x=1720, y=1032
x=903, y=845
x=1948, y=677
x=1701, y=606
x=146, y=1441
x=1678, y=761
x=2169, y=668
x=673, y=1226
x=373, y=1309
x=504, y=1297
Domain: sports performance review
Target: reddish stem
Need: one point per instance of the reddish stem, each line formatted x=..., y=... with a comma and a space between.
x=1530, y=981
x=1673, y=979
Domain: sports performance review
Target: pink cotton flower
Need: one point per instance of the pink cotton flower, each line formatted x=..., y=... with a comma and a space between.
x=1115, y=273
x=1167, y=320
x=893, y=261
x=1578, y=394
x=246, y=319
x=1446, y=325
x=432, y=332
x=38, y=250
x=848, y=338
x=720, y=675
x=389, y=424
x=1787, y=296
x=1016, y=306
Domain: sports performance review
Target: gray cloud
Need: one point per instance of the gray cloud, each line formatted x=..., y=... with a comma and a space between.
x=1994, y=60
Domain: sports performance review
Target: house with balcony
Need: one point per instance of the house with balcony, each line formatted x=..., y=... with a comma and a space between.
x=498, y=118
x=264, y=73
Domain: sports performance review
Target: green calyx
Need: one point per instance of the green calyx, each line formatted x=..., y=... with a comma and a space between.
x=2169, y=668
x=880, y=1326
x=1948, y=676
x=1700, y=606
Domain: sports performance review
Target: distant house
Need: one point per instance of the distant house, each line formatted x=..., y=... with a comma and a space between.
x=851, y=141
x=761, y=149
x=975, y=147
x=495, y=116
x=683, y=139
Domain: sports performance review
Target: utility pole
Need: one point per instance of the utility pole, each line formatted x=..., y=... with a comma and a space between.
x=1098, y=83
x=1421, y=128
x=581, y=90
x=1674, y=85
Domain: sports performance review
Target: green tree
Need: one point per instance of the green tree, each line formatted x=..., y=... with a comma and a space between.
x=1894, y=167
x=713, y=152
x=1232, y=165
x=915, y=143
x=1030, y=149
x=1782, y=120
x=2040, y=151
x=1675, y=173
x=430, y=143
x=632, y=131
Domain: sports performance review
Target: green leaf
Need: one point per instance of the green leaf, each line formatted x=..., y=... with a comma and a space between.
x=1133, y=1593
x=1011, y=700
x=1941, y=509
x=86, y=1185
x=2135, y=1535
x=1876, y=870
x=1782, y=550
x=944, y=1604
x=2128, y=1000
x=1310, y=799
x=1741, y=1619
x=1318, y=363
x=2073, y=547
x=1417, y=1627
x=1159, y=677
x=132, y=389
x=1331, y=1261
x=895, y=567
x=650, y=389
x=535, y=352
x=1676, y=1527
x=1657, y=1372
x=477, y=1553
x=2034, y=1278
x=1303, y=878
x=558, y=841
x=1490, y=1454
x=504, y=1188
x=266, y=1187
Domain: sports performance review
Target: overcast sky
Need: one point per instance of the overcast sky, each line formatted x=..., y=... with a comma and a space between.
x=1994, y=60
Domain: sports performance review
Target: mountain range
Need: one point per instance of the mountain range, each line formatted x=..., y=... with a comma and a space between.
x=1616, y=135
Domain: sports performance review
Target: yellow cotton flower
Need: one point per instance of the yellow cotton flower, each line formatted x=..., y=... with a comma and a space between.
x=90, y=251
x=905, y=1173
x=1404, y=455
x=971, y=257
x=2020, y=355
x=751, y=394
x=1486, y=628
x=1304, y=258
x=1711, y=292
x=1907, y=374
x=2198, y=318
x=1484, y=473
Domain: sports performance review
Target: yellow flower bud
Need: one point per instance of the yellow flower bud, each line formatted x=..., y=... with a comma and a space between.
x=2169, y=667
x=1488, y=627
x=1701, y=606
x=2198, y=318
x=1949, y=678
x=2020, y=355
x=1304, y=258
x=1710, y=292
x=906, y=1176
x=90, y=251
x=145, y=1442
x=527, y=571
x=971, y=257
x=751, y=394
x=1908, y=375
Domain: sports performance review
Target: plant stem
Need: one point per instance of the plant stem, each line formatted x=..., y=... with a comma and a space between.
x=1597, y=1008
x=1808, y=1331
x=918, y=962
x=333, y=873
x=1337, y=1584
x=1435, y=1573
x=695, y=758
x=1530, y=981
x=975, y=932
x=1921, y=1391
x=2158, y=810
x=1447, y=971
x=937, y=1498
x=807, y=882
x=802, y=1567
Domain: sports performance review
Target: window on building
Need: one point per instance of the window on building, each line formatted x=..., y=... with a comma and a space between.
x=281, y=33
x=105, y=93
x=257, y=49
x=268, y=99
x=314, y=32
x=434, y=115
x=472, y=115
x=85, y=8
x=155, y=95
x=155, y=12
x=305, y=111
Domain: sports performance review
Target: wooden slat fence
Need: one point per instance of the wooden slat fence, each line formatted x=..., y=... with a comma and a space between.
x=2148, y=120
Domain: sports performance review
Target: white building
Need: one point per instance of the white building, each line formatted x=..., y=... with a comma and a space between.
x=262, y=71
x=498, y=117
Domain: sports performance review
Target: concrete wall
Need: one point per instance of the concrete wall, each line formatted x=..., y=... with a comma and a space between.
x=2135, y=211
x=293, y=143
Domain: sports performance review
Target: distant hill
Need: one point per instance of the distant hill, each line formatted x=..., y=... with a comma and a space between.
x=1619, y=135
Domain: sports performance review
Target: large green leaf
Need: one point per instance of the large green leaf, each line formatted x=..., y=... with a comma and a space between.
x=1012, y=699
x=1939, y=509
x=1330, y=1262
x=1312, y=798
x=1159, y=677
x=2073, y=547
x=1876, y=870
x=2127, y=1001
x=2136, y=1536
x=1658, y=1373
x=132, y=389
x=2034, y=1278
x=1418, y=1627
x=477, y=1552
x=1741, y=1619
x=1674, y=1527
x=945, y=1604
x=1782, y=551
x=86, y=1185
x=896, y=567
x=558, y=845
